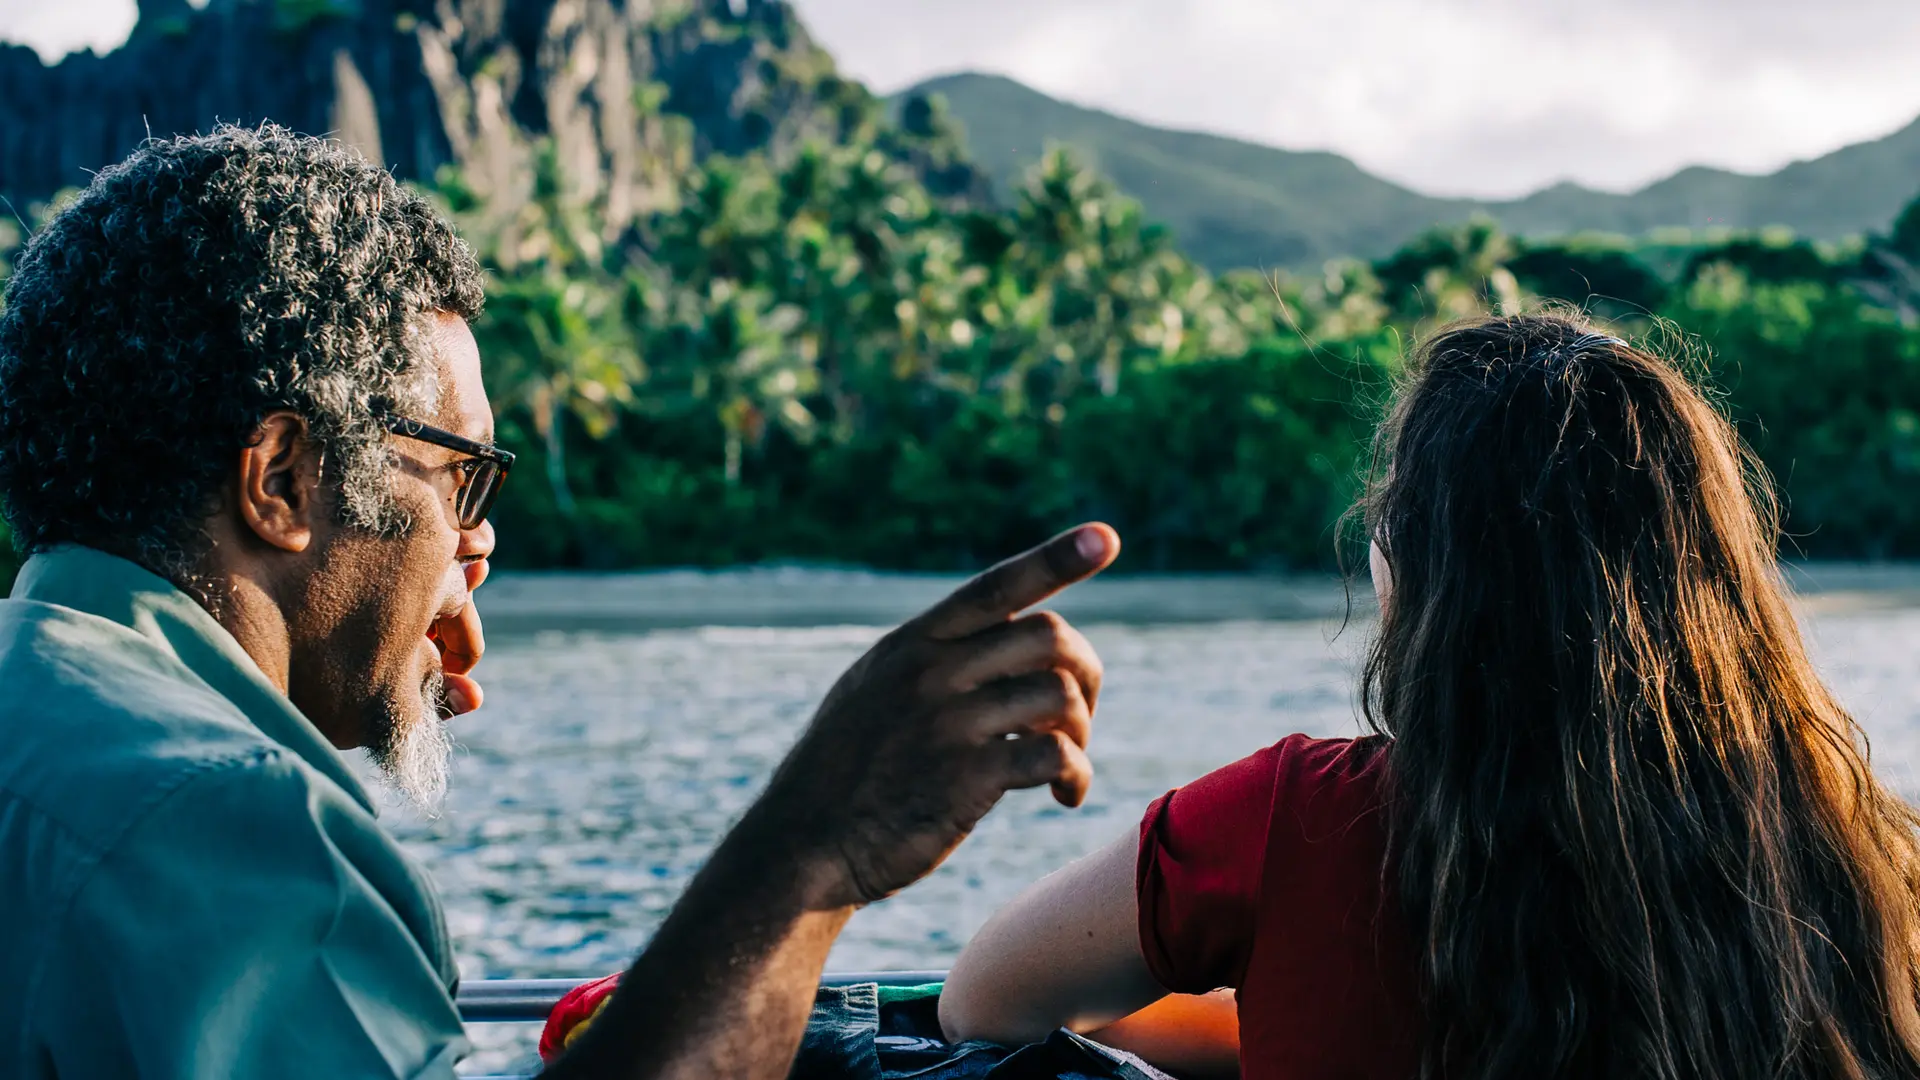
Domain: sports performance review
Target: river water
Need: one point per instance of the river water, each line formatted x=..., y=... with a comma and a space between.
x=630, y=719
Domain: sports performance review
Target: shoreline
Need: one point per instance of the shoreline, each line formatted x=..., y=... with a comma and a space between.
x=517, y=603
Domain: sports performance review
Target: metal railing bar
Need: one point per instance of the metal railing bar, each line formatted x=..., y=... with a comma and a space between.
x=492, y=1001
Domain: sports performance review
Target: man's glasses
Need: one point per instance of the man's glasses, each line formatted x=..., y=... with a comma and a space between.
x=482, y=474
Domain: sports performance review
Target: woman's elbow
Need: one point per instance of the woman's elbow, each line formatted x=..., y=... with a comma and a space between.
x=957, y=1021
x=969, y=1011
x=960, y=1020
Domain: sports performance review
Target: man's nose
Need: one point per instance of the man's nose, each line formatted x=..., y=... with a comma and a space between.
x=476, y=543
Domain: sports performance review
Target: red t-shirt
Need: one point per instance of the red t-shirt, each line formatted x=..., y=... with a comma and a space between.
x=1266, y=876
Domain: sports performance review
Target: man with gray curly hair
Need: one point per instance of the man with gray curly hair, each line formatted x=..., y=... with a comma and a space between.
x=245, y=443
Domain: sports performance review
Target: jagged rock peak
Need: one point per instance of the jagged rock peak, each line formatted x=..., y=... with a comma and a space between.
x=419, y=85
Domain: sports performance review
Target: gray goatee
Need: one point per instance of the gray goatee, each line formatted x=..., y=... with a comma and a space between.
x=414, y=755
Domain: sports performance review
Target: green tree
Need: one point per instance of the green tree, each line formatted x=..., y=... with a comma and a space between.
x=1450, y=273
x=1828, y=392
x=558, y=347
x=1600, y=275
x=842, y=363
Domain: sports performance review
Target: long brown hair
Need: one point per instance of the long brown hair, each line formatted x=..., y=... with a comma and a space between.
x=1634, y=833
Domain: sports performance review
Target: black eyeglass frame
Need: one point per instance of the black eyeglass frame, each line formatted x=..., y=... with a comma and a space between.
x=489, y=475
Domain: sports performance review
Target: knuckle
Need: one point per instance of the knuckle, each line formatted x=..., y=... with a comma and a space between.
x=1052, y=751
x=1064, y=686
x=1083, y=649
x=1079, y=719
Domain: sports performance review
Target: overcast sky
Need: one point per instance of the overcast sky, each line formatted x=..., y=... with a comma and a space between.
x=1481, y=97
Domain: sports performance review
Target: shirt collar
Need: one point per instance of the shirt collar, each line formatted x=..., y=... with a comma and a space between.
x=112, y=588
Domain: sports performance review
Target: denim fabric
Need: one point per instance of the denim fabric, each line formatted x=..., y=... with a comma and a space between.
x=860, y=1033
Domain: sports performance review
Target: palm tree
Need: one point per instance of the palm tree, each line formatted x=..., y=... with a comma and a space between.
x=554, y=331
x=732, y=351
x=1102, y=275
x=721, y=337
x=559, y=348
x=1454, y=272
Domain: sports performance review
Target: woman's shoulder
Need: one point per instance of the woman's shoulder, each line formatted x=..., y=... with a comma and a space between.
x=1351, y=753
x=1206, y=849
x=1300, y=778
x=1316, y=762
x=1326, y=787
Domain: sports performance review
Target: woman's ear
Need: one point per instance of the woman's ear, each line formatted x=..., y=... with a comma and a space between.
x=1381, y=573
x=277, y=483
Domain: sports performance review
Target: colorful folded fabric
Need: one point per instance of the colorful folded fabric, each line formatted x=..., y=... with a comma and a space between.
x=572, y=1013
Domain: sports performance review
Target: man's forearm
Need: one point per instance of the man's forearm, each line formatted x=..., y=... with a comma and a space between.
x=920, y=737
x=725, y=986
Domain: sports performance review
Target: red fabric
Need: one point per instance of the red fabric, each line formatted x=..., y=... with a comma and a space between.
x=571, y=1013
x=1266, y=876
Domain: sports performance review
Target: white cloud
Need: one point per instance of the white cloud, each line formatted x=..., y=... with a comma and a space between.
x=1488, y=97
x=1485, y=97
x=58, y=27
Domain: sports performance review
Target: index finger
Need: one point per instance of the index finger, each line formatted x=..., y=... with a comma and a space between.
x=1005, y=590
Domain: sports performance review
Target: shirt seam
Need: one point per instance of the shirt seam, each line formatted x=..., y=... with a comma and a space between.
x=90, y=864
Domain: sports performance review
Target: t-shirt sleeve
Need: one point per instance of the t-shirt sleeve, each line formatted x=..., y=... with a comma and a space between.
x=1202, y=848
x=231, y=933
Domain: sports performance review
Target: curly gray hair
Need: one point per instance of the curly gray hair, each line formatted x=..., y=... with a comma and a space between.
x=187, y=292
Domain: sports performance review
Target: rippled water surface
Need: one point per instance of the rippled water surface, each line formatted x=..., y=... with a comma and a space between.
x=621, y=737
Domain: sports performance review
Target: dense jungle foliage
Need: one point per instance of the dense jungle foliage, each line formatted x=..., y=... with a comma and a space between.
x=815, y=359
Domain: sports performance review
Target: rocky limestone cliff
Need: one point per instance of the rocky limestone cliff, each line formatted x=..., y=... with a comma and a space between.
x=478, y=84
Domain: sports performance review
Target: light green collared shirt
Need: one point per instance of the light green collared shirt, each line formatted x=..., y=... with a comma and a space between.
x=192, y=882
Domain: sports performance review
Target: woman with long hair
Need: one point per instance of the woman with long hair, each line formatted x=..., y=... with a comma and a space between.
x=1609, y=823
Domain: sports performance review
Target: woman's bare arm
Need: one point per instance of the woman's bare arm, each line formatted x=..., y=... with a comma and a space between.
x=1066, y=953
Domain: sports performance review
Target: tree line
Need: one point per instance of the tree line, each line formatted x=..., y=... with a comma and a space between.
x=817, y=359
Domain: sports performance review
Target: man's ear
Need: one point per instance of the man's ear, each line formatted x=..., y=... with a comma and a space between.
x=278, y=482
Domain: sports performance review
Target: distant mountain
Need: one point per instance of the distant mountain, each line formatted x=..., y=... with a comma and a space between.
x=1228, y=202
x=1235, y=203
x=1853, y=190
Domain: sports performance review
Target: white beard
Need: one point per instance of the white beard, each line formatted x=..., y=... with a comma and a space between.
x=416, y=759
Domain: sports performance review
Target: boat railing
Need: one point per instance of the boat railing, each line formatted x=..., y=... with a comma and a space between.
x=505, y=1001
x=492, y=1001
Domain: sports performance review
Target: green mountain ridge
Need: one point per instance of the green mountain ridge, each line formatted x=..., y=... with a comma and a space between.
x=1232, y=203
